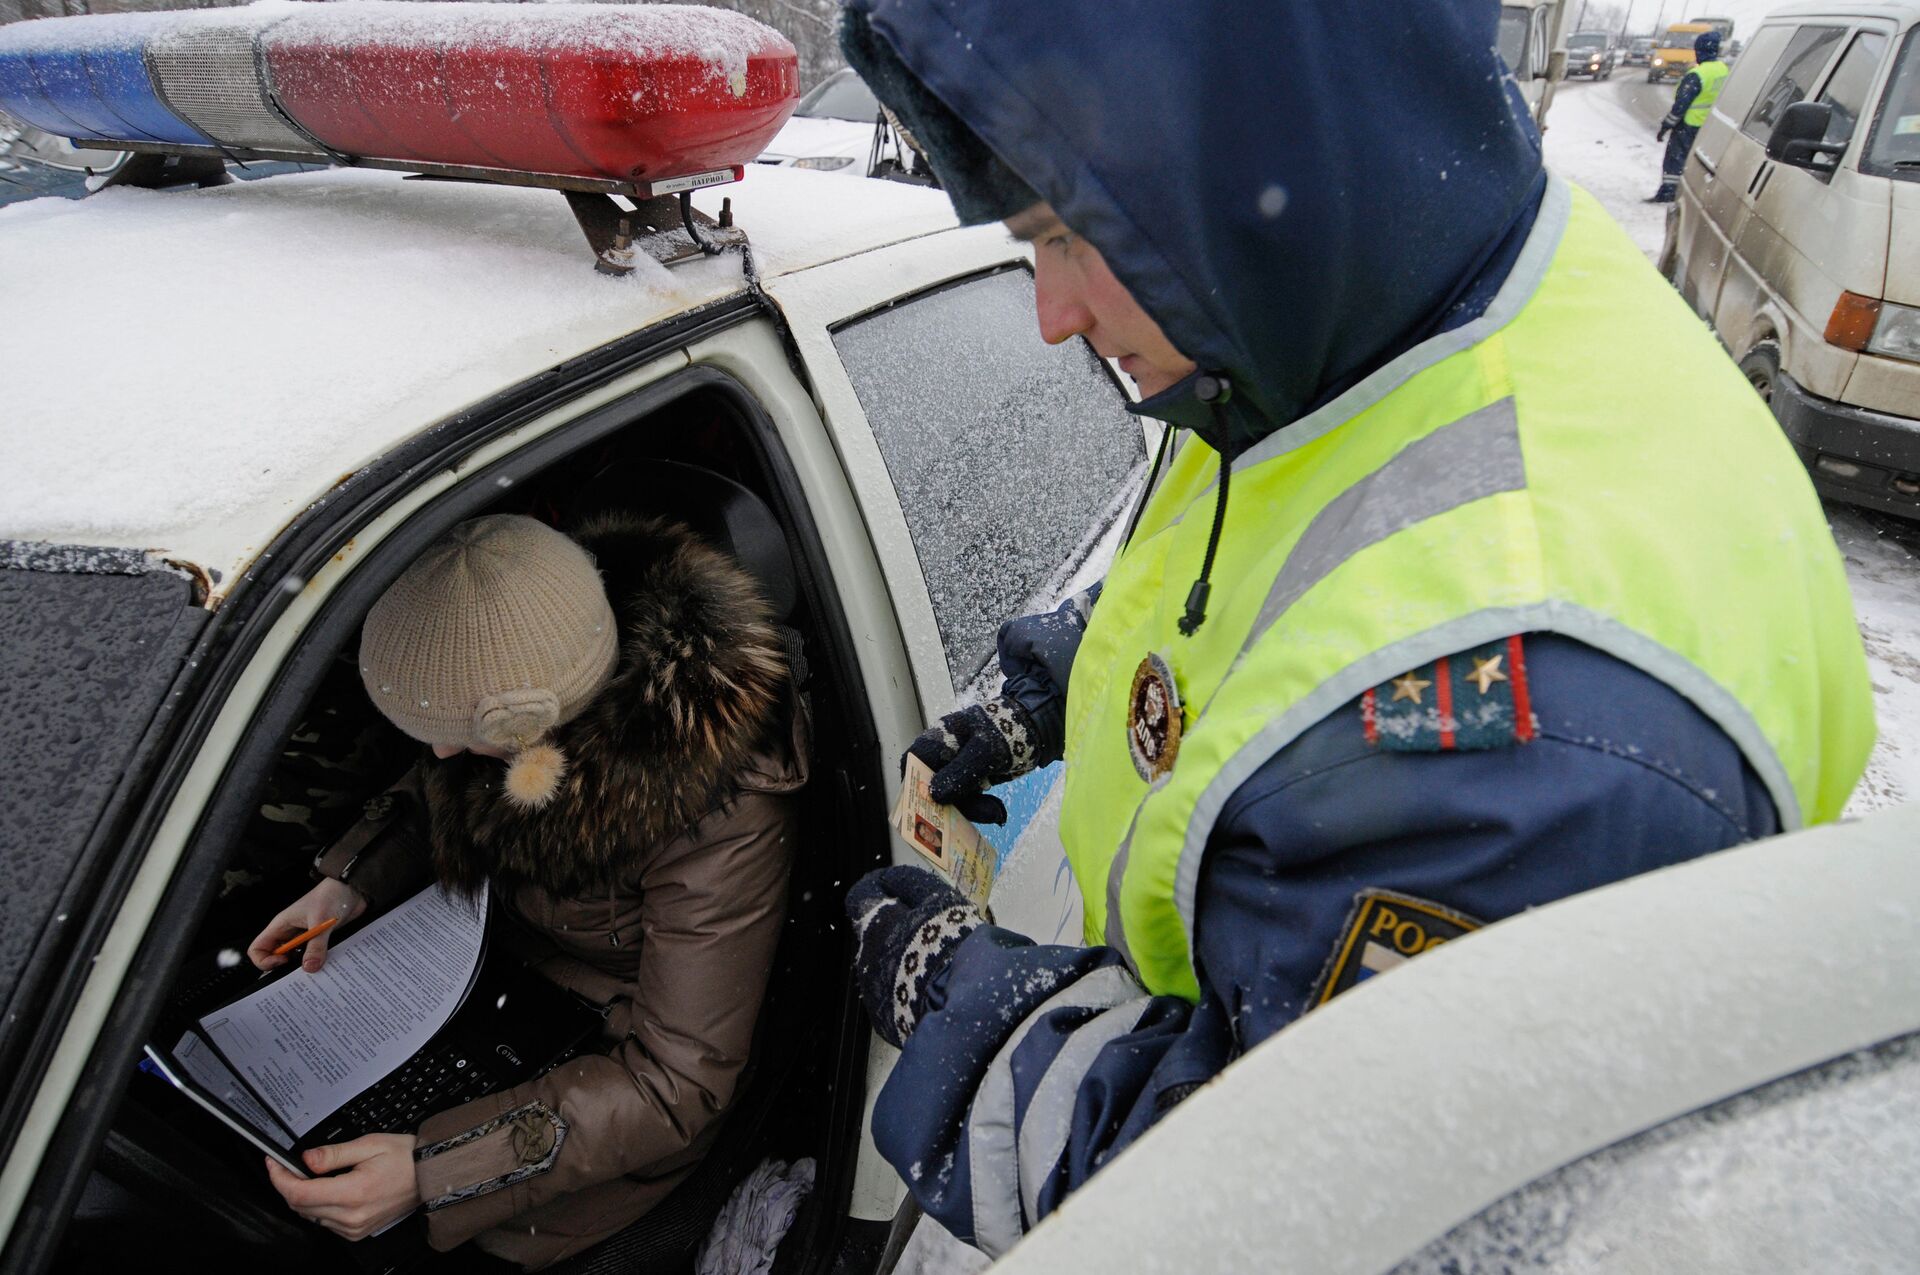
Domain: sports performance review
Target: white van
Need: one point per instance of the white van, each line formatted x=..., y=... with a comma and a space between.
x=1797, y=236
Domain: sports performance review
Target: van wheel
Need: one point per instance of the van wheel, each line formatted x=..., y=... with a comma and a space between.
x=1762, y=366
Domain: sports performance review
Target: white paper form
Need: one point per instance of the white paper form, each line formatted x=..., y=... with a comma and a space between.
x=310, y=1043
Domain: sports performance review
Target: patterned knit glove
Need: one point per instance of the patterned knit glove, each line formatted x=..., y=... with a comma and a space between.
x=908, y=921
x=971, y=750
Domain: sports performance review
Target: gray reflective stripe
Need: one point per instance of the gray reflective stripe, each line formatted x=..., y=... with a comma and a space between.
x=1529, y=268
x=1590, y=627
x=1470, y=459
x=1474, y=457
x=1048, y=1124
x=1116, y=931
x=992, y=1148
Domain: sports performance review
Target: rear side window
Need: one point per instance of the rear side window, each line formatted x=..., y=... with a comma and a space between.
x=1008, y=454
x=1806, y=56
x=1754, y=68
x=1847, y=87
x=1816, y=1172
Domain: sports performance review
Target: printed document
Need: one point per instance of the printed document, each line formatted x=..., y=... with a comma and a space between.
x=309, y=1043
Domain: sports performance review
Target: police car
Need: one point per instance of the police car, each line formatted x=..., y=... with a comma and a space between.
x=293, y=385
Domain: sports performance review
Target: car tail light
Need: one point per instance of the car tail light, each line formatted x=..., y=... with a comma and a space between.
x=1850, y=326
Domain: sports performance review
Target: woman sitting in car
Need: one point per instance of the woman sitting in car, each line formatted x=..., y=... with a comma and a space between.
x=618, y=760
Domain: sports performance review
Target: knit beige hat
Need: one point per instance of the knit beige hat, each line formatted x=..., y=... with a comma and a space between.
x=496, y=635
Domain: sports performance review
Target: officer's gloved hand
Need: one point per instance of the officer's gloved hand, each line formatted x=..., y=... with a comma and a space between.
x=973, y=749
x=907, y=921
x=1660, y=134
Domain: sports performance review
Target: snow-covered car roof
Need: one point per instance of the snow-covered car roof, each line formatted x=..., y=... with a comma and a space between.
x=1900, y=11
x=246, y=347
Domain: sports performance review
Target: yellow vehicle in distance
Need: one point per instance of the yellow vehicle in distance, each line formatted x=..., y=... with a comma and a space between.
x=1673, y=55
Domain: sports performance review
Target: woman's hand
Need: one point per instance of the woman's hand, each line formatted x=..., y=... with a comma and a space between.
x=329, y=899
x=378, y=1189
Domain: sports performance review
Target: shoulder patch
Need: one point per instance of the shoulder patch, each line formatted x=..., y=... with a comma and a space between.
x=1383, y=930
x=1469, y=700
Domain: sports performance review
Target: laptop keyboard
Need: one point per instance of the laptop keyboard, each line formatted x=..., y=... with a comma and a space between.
x=432, y=1081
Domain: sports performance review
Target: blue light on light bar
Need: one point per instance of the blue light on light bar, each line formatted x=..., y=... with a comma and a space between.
x=95, y=89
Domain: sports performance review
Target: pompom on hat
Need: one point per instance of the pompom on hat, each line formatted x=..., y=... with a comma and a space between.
x=497, y=635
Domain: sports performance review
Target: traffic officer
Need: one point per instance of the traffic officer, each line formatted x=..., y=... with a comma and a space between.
x=1699, y=90
x=1431, y=616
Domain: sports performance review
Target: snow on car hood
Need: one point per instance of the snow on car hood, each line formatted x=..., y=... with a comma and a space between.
x=245, y=347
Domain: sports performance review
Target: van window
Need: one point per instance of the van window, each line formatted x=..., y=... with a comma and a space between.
x=1754, y=69
x=1008, y=454
x=1516, y=27
x=1895, y=148
x=1801, y=65
x=1847, y=87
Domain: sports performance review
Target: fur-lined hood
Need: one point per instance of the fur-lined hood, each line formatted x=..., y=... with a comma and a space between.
x=698, y=699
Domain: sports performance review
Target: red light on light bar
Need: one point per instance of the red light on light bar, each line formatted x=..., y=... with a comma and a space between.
x=630, y=95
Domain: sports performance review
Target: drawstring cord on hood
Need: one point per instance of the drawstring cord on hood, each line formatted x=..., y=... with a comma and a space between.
x=1214, y=390
x=1153, y=476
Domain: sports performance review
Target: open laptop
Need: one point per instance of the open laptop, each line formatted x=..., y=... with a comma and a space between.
x=511, y=1025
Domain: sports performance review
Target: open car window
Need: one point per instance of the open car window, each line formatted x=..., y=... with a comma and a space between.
x=1814, y=1172
x=1008, y=454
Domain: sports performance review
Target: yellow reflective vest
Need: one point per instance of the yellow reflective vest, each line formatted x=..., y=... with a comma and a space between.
x=1712, y=76
x=1518, y=474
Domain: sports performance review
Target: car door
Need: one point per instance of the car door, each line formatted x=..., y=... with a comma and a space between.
x=1723, y=162
x=993, y=471
x=1817, y=232
x=1750, y=302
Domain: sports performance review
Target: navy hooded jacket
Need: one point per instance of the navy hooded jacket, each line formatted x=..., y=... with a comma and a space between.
x=1297, y=193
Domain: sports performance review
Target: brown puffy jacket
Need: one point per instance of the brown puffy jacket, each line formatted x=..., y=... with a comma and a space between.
x=654, y=885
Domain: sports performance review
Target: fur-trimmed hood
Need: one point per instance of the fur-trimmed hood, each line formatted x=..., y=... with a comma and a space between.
x=698, y=699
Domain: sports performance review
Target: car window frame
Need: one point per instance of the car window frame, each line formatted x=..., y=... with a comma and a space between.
x=1737, y=82
x=979, y=665
x=233, y=685
x=1815, y=83
x=1856, y=139
x=816, y=301
x=1905, y=45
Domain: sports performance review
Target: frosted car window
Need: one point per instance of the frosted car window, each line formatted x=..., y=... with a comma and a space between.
x=1007, y=453
x=1799, y=67
x=1816, y=1172
x=88, y=647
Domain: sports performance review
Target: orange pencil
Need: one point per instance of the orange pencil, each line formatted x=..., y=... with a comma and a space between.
x=298, y=939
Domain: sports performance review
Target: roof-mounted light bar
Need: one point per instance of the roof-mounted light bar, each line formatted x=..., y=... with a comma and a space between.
x=644, y=101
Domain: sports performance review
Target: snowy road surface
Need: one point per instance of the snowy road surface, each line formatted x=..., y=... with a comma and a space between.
x=1600, y=134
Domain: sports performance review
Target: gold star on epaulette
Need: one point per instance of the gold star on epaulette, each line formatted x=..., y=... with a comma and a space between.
x=1409, y=686
x=1486, y=672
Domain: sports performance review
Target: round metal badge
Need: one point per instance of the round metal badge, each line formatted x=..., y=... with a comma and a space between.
x=1153, y=719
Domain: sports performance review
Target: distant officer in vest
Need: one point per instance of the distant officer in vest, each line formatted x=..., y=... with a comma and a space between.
x=1699, y=89
x=1428, y=617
